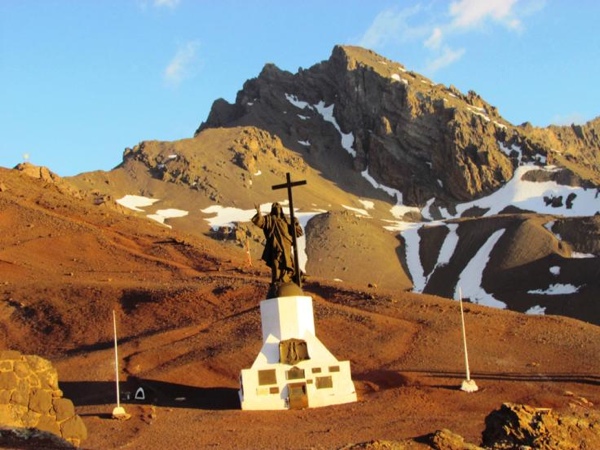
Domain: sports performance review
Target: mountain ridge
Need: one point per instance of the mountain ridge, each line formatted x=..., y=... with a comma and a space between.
x=412, y=115
x=362, y=130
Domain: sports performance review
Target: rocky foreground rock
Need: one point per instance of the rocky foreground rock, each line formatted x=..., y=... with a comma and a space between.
x=510, y=427
x=32, y=405
x=523, y=426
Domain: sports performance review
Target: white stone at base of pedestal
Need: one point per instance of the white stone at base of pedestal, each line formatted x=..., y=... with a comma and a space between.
x=322, y=380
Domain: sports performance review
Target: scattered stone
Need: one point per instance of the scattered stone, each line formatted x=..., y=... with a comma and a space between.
x=447, y=440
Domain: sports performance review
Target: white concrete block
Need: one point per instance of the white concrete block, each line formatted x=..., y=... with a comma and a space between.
x=321, y=380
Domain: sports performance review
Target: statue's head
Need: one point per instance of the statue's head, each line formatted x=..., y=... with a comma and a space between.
x=276, y=210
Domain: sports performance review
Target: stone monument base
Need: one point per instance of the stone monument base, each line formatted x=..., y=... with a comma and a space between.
x=293, y=370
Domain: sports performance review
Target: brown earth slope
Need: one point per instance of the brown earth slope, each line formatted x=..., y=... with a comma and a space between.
x=189, y=321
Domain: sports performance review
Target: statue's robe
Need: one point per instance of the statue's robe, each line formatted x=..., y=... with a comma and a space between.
x=278, y=247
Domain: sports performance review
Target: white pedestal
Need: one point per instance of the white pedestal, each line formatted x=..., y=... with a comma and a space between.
x=320, y=380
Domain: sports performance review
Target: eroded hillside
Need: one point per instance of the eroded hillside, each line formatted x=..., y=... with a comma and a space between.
x=188, y=321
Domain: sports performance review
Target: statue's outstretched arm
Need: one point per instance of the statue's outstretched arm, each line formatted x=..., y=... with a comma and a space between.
x=258, y=218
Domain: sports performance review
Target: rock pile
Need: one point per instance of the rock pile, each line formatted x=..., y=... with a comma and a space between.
x=512, y=426
x=523, y=426
x=30, y=398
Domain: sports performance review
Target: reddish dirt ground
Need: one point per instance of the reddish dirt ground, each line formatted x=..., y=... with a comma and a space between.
x=189, y=321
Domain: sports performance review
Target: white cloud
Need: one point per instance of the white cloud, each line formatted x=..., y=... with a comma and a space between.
x=435, y=40
x=445, y=58
x=391, y=26
x=182, y=64
x=436, y=28
x=166, y=3
x=144, y=5
x=473, y=13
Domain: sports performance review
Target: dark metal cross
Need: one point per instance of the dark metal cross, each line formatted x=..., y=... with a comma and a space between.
x=289, y=185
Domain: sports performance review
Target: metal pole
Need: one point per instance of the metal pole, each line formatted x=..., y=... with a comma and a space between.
x=116, y=359
x=464, y=334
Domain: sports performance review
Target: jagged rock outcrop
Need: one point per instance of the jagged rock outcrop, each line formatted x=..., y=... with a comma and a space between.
x=575, y=147
x=43, y=173
x=422, y=138
x=522, y=426
x=30, y=398
x=47, y=176
x=199, y=163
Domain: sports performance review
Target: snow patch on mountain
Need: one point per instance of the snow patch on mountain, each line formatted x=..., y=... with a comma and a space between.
x=138, y=202
x=469, y=281
x=556, y=289
x=529, y=196
x=228, y=216
x=326, y=112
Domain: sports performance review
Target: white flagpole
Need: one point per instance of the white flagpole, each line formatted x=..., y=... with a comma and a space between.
x=468, y=385
x=116, y=359
x=464, y=335
x=119, y=411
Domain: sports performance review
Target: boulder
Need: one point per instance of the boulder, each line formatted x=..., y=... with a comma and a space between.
x=31, y=401
x=524, y=426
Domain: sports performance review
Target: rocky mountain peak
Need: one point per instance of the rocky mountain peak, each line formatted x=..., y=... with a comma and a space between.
x=433, y=178
x=424, y=139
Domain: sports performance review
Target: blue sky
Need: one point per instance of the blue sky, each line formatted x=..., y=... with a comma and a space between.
x=81, y=80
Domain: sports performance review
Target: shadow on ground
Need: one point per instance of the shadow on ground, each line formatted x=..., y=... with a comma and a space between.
x=159, y=393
